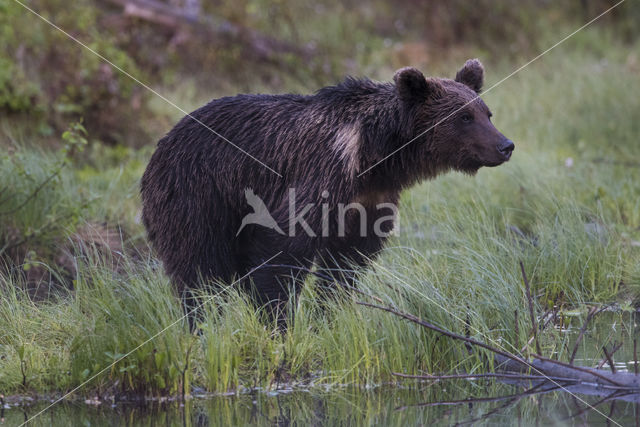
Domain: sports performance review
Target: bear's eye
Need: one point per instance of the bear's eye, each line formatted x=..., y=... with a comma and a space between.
x=466, y=118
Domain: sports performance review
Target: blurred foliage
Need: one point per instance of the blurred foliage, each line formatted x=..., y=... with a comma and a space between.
x=510, y=27
x=51, y=75
x=17, y=94
x=53, y=80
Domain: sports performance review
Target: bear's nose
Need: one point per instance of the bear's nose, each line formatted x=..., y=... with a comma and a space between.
x=506, y=147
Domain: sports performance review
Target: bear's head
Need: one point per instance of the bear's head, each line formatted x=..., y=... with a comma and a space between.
x=450, y=118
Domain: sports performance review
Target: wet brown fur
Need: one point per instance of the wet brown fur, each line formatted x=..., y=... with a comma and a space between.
x=193, y=188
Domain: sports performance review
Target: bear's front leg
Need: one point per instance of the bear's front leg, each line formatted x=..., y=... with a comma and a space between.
x=276, y=267
x=363, y=238
x=340, y=259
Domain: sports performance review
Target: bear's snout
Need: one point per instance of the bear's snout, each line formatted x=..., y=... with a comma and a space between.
x=506, y=148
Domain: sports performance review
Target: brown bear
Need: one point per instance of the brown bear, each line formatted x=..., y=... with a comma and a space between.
x=261, y=187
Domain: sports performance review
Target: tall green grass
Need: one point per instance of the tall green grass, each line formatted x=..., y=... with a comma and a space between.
x=574, y=224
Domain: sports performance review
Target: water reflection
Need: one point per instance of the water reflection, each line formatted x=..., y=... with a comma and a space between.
x=453, y=403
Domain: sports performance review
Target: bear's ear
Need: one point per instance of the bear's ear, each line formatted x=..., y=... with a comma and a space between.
x=472, y=75
x=412, y=85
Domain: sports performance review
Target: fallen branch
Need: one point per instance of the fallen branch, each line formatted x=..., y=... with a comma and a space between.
x=584, y=374
x=545, y=368
x=438, y=329
x=510, y=375
x=592, y=312
x=166, y=15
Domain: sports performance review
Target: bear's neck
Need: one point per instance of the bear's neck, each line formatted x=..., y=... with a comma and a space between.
x=394, y=152
x=389, y=152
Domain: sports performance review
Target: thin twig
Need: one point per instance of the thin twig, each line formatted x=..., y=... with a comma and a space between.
x=609, y=359
x=544, y=326
x=616, y=347
x=517, y=327
x=592, y=312
x=2, y=199
x=433, y=347
x=467, y=330
x=534, y=325
x=34, y=193
x=45, y=227
x=635, y=356
x=611, y=411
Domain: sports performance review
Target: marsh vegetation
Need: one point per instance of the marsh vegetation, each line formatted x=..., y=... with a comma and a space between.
x=80, y=289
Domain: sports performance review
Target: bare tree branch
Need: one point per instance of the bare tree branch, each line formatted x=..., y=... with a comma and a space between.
x=534, y=324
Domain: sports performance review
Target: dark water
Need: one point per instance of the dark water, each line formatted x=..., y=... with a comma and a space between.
x=420, y=404
x=410, y=402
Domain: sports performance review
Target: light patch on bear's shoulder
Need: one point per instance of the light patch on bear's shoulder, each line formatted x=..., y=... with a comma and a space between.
x=347, y=145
